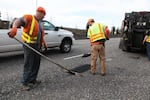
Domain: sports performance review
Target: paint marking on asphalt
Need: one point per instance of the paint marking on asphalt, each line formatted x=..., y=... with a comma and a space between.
x=73, y=57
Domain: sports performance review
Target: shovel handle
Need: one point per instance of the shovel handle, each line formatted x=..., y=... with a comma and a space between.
x=50, y=60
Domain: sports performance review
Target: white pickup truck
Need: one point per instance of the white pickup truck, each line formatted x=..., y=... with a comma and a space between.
x=54, y=37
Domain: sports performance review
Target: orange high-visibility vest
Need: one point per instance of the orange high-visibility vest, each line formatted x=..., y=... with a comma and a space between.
x=96, y=32
x=30, y=31
x=28, y=37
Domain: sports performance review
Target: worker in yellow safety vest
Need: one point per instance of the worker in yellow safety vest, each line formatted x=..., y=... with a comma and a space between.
x=32, y=35
x=98, y=34
x=147, y=40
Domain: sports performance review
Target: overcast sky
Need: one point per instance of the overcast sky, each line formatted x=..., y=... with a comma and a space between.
x=75, y=13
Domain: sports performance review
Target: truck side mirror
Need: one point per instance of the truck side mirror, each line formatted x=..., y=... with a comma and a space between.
x=56, y=28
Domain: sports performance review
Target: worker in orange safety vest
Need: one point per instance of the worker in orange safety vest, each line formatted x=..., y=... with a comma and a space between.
x=33, y=35
x=98, y=34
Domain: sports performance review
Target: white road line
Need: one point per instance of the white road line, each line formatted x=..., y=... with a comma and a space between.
x=73, y=57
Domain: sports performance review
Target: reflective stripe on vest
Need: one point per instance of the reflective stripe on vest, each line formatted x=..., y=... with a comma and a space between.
x=148, y=39
x=28, y=37
x=97, y=34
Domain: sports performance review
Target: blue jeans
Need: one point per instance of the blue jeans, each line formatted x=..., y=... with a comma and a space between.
x=148, y=50
x=31, y=64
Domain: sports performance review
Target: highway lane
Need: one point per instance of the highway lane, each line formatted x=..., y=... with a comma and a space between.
x=127, y=76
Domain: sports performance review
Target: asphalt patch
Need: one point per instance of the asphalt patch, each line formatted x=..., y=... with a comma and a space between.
x=82, y=68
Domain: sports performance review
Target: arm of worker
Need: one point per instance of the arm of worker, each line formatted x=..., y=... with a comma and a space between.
x=146, y=36
x=17, y=23
x=44, y=44
x=107, y=32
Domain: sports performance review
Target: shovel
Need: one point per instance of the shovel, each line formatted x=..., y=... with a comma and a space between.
x=50, y=60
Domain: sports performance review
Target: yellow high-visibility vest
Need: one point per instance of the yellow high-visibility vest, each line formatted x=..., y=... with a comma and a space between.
x=96, y=32
x=27, y=37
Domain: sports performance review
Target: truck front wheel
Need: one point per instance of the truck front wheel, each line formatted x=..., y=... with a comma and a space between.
x=65, y=46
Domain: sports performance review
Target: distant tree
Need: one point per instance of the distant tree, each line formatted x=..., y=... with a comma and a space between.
x=117, y=31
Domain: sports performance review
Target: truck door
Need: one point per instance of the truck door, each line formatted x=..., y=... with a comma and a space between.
x=51, y=34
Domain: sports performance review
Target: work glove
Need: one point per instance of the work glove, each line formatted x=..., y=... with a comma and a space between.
x=12, y=32
x=44, y=49
x=107, y=38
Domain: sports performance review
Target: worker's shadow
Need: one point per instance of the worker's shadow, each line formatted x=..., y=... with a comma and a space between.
x=82, y=68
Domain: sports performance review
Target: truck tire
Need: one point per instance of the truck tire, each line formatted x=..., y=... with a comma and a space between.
x=65, y=46
x=123, y=45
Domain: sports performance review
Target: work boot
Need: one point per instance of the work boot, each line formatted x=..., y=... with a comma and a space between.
x=31, y=85
x=103, y=74
x=92, y=72
x=36, y=82
x=25, y=87
x=93, y=69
